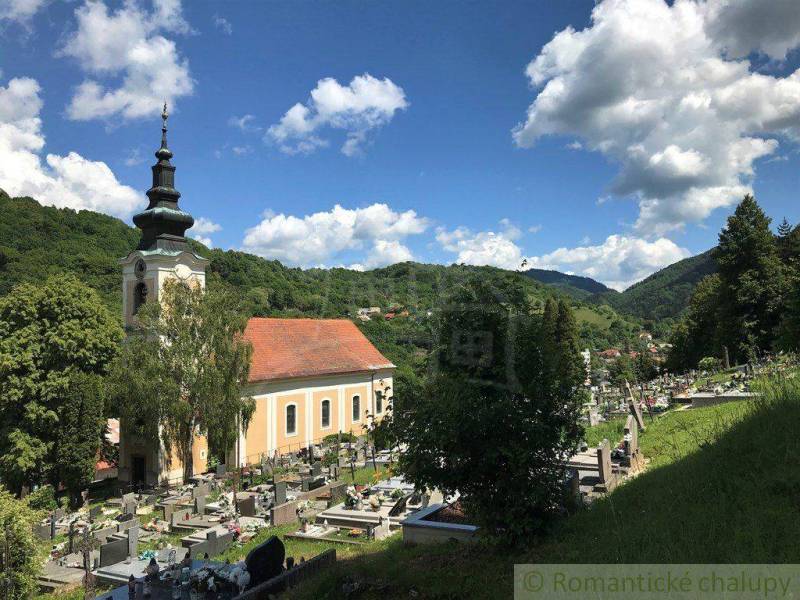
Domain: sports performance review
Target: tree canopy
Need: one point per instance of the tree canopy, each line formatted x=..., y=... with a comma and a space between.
x=57, y=340
x=497, y=409
x=185, y=368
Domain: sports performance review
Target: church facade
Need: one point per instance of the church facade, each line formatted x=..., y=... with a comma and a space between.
x=309, y=378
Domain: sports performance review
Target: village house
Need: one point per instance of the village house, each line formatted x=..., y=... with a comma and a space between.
x=309, y=377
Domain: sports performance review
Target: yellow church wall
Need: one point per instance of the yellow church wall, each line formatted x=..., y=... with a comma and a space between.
x=318, y=396
x=362, y=391
x=290, y=442
x=256, y=437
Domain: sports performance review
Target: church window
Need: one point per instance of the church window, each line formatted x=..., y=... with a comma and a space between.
x=326, y=414
x=356, y=408
x=291, y=419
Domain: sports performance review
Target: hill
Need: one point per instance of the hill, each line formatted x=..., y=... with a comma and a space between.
x=36, y=241
x=575, y=286
x=722, y=469
x=666, y=293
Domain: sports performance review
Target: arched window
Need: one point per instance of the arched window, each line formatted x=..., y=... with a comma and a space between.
x=326, y=414
x=356, y=408
x=139, y=296
x=291, y=419
x=378, y=402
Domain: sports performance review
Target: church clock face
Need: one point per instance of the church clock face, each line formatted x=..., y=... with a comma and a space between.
x=140, y=268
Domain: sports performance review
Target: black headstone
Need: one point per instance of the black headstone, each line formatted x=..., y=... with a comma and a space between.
x=265, y=561
x=280, y=493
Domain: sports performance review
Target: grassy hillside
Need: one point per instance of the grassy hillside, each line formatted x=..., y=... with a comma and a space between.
x=666, y=293
x=574, y=286
x=36, y=241
x=721, y=487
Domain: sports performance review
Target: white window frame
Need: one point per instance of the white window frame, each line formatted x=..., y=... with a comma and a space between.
x=285, y=419
x=352, y=406
x=322, y=413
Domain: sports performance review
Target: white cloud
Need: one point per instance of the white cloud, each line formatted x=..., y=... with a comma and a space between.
x=496, y=249
x=653, y=86
x=242, y=150
x=365, y=104
x=618, y=262
x=223, y=25
x=201, y=228
x=204, y=225
x=317, y=238
x=243, y=123
x=534, y=229
x=20, y=11
x=134, y=157
x=70, y=181
x=141, y=67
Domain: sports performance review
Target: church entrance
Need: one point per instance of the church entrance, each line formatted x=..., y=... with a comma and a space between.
x=138, y=471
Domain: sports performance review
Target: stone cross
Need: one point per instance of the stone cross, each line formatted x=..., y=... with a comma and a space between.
x=631, y=440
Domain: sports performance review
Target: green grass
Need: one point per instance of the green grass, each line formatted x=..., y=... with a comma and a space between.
x=722, y=486
x=607, y=430
x=587, y=315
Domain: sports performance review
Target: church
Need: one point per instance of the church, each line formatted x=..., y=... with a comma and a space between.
x=310, y=378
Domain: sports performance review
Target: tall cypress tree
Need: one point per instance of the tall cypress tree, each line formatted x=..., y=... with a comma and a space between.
x=751, y=281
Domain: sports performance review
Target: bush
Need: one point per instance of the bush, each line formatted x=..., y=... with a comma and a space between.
x=43, y=498
x=20, y=566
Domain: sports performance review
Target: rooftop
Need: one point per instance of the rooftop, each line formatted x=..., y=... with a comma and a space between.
x=288, y=348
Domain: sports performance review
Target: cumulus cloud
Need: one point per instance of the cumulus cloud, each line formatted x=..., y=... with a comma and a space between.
x=493, y=248
x=135, y=67
x=20, y=11
x=70, y=181
x=654, y=86
x=315, y=239
x=365, y=104
x=618, y=262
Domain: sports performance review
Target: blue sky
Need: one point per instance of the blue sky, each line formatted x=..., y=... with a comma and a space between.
x=606, y=143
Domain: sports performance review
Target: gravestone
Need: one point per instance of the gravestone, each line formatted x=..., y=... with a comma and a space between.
x=316, y=469
x=399, y=506
x=58, y=514
x=200, y=491
x=42, y=531
x=344, y=462
x=220, y=470
x=338, y=492
x=265, y=561
x=280, y=492
x=95, y=512
x=594, y=418
x=247, y=507
x=334, y=471
x=179, y=515
x=632, y=455
x=604, y=460
x=283, y=513
x=53, y=526
x=168, y=509
x=133, y=541
x=381, y=530
x=200, y=505
x=113, y=552
x=129, y=504
x=636, y=412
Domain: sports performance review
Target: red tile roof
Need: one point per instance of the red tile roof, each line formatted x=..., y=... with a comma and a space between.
x=286, y=348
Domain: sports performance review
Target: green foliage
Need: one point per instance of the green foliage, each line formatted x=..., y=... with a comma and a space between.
x=53, y=337
x=188, y=347
x=665, y=294
x=709, y=363
x=498, y=407
x=43, y=498
x=20, y=555
x=575, y=286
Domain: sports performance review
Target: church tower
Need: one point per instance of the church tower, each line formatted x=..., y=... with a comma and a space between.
x=163, y=251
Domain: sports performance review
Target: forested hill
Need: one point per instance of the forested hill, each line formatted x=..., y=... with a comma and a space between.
x=666, y=293
x=36, y=241
x=573, y=285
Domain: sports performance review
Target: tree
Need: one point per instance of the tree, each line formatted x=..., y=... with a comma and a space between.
x=498, y=409
x=20, y=555
x=184, y=370
x=751, y=282
x=52, y=337
x=82, y=423
x=697, y=335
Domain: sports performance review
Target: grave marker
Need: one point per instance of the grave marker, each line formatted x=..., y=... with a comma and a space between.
x=280, y=492
x=133, y=542
x=604, y=461
x=247, y=507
